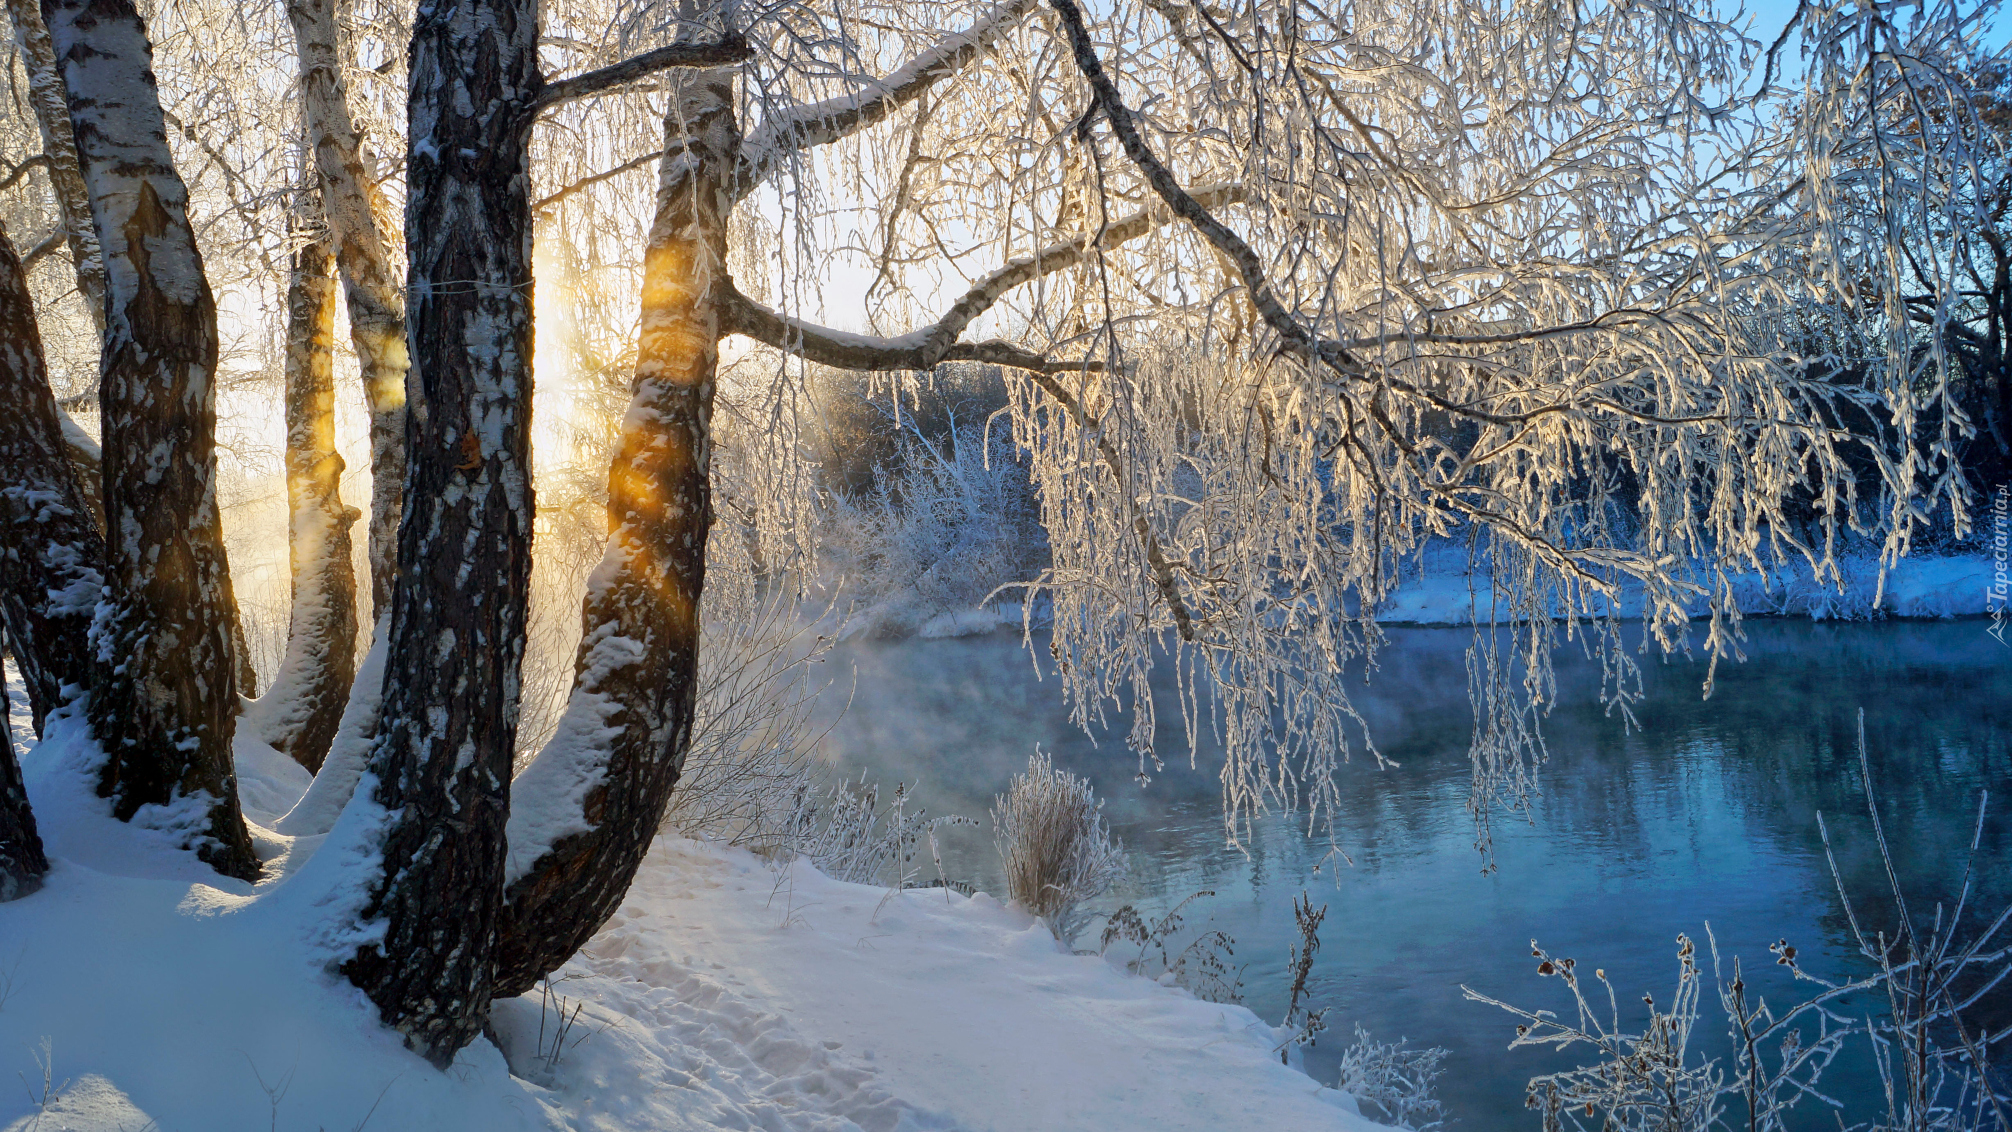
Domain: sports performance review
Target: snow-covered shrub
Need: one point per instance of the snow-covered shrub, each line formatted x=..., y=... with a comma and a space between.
x=1397, y=1080
x=946, y=518
x=1053, y=846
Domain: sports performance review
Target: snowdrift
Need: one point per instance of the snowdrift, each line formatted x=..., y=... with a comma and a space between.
x=138, y=990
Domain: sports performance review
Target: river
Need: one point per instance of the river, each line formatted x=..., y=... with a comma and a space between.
x=1706, y=814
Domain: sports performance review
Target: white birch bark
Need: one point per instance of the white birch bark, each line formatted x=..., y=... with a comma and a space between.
x=166, y=714
x=372, y=283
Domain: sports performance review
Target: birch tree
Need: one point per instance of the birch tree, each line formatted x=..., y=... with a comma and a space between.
x=50, y=559
x=300, y=712
x=167, y=715
x=372, y=284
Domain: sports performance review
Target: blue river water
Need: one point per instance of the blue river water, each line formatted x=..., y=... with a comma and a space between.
x=1705, y=815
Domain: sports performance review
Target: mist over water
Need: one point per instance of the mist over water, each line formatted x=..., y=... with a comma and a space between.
x=1706, y=814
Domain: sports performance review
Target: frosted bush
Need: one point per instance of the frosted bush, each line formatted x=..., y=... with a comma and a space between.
x=849, y=837
x=940, y=531
x=753, y=736
x=1053, y=846
x=1398, y=1081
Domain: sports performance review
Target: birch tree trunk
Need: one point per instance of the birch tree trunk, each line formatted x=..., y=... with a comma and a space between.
x=51, y=555
x=371, y=284
x=52, y=116
x=299, y=714
x=591, y=802
x=22, y=861
x=442, y=754
x=73, y=212
x=167, y=712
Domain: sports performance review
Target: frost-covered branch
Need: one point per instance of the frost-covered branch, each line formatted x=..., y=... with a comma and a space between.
x=728, y=49
x=558, y=196
x=930, y=346
x=820, y=123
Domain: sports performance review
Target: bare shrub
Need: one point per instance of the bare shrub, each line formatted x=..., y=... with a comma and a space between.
x=1303, y=1024
x=753, y=736
x=1398, y=1081
x=1201, y=968
x=1053, y=846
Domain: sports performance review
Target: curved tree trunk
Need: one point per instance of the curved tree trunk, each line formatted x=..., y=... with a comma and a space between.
x=448, y=722
x=589, y=805
x=167, y=713
x=371, y=284
x=22, y=861
x=51, y=555
x=300, y=712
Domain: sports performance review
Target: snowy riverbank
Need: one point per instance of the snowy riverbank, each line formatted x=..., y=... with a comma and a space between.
x=140, y=990
x=1445, y=593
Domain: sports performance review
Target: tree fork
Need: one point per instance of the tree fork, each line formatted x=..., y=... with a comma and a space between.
x=636, y=674
x=166, y=714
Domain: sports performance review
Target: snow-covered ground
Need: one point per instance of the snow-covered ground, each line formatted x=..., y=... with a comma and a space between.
x=138, y=990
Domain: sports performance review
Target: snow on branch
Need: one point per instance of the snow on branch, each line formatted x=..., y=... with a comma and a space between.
x=730, y=49
x=916, y=350
x=819, y=123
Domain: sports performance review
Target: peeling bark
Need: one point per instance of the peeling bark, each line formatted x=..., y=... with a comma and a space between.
x=600, y=788
x=166, y=711
x=372, y=287
x=51, y=555
x=300, y=713
x=87, y=460
x=442, y=753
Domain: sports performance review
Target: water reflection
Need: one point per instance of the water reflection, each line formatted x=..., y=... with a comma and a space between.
x=1708, y=813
